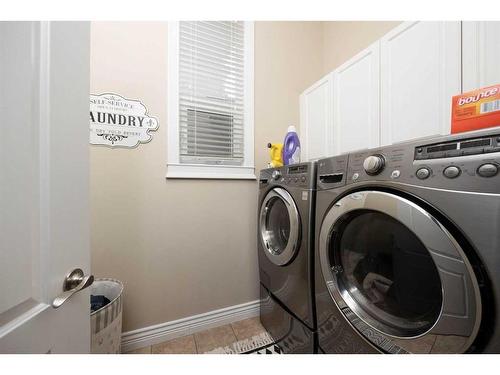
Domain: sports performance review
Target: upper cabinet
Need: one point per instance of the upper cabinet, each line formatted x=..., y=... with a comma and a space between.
x=481, y=54
x=400, y=87
x=420, y=72
x=316, y=120
x=356, y=109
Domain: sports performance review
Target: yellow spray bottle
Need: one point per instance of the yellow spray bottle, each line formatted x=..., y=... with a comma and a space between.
x=276, y=153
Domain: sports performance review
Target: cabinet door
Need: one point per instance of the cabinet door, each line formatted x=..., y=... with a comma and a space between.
x=356, y=102
x=316, y=119
x=420, y=72
x=481, y=54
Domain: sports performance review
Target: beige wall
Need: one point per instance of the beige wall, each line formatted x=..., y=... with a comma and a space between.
x=184, y=247
x=343, y=40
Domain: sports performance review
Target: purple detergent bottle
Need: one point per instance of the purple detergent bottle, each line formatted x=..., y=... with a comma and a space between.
x=291, y=147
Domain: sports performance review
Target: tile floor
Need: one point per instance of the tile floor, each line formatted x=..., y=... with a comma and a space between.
x=204, y=341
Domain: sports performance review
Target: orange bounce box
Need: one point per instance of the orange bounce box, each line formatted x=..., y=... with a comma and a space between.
x=476, y=110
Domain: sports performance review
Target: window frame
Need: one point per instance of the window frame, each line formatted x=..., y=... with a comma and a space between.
x=176, y=169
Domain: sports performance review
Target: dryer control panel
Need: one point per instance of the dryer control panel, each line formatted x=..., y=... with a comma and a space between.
x=297, y=175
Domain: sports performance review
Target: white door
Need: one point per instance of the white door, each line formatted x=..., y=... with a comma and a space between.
x=481, y=54
x=44, y=187
x=420, y=72
x=356, y=102
x=316, y=119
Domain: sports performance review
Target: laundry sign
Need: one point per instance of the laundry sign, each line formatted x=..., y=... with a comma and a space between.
x=119, y=122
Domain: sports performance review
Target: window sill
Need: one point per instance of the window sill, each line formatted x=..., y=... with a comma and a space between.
x=204, y=172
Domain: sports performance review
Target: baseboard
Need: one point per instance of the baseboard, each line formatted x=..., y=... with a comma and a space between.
x=158, y=333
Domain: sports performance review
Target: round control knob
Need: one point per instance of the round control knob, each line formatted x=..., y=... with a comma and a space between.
x=276, y=175
x=423, y=173
x=374, y=164
x=451, y=171
x=487, y=170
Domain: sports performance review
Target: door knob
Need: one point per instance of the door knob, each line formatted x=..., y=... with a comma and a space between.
x=73, y=283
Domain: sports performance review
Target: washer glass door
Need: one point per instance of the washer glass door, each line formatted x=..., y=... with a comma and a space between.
x=279, y=226
x=389, y=272
x=398, y=275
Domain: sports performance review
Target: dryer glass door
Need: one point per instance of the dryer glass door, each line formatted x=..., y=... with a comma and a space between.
x=398, y=275
x=279, y=226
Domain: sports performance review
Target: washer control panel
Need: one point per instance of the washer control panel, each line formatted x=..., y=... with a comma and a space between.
x=467, y=161
x=452, y=171
x=487, y=170
x=423, y=173
x=374, y=164
x=458, y=147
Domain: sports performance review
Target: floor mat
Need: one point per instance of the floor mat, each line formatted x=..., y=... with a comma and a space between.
x=260, y=344
x=269, y=349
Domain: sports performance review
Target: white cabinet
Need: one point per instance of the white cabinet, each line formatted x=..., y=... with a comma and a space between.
x=399, y=88
x=316, y=120
x=420, y=72
x=356, y=109
x=481, y=54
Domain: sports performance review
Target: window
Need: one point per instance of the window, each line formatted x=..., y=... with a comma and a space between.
x=210, y=100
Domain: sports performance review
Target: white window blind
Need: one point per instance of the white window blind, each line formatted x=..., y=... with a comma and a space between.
x=211, y=92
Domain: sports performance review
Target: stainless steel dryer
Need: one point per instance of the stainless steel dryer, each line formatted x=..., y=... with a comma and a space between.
x=408, y=247
x=285, y=252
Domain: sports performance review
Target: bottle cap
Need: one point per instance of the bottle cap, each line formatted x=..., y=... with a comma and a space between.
x=291, y=129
